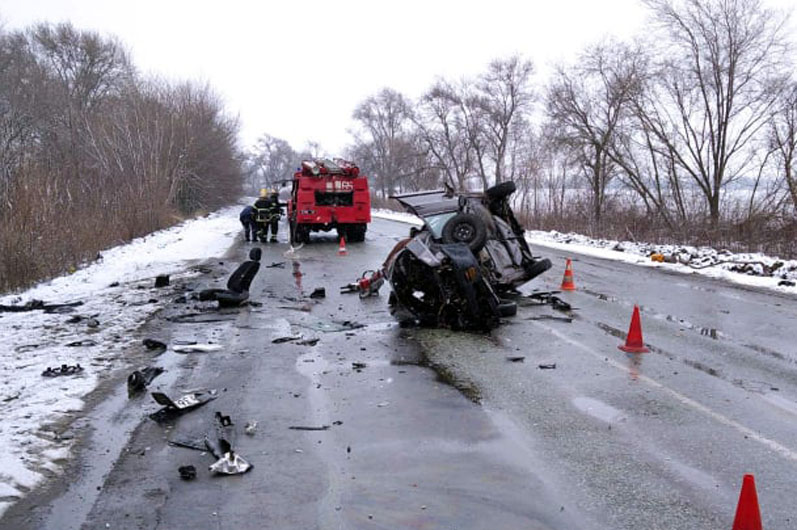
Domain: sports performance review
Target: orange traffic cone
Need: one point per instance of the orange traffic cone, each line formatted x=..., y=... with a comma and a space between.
x=567, y=281
x=633, y=341
x=342, y=247
x=748, y=516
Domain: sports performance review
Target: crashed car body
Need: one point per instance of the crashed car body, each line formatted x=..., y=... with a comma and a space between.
x=469, y=253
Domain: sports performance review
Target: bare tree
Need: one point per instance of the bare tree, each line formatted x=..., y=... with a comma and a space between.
x=783, y=140
x=442, y=120
x=587, y=104
x=721, y=75
x=503, y=94
x=386, y=146
x=273, y=160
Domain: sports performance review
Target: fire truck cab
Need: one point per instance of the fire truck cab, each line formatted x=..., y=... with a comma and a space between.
x=327, y=194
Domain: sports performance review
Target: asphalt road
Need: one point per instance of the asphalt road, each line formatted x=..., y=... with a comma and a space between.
x=439, y=429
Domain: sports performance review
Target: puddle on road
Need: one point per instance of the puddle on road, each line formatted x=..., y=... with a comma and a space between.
x=599, y=410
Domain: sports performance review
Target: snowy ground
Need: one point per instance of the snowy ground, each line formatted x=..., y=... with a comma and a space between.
x=33, y=341
x=117, y=291
x=749, y=269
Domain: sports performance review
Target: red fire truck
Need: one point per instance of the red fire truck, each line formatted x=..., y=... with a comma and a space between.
x=329, y=194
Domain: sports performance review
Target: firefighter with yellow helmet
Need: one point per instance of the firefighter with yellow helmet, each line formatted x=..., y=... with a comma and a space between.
x=267, y=214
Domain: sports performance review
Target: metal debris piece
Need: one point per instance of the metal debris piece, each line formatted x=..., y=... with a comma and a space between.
x=79, y=343
x=308, y=342
x=318, y=292
x=172, y=409
x=64, y=369
x=250, y=428
x=152, y=344
x=224, y=421
x=358, y=365
x=551, y=366
x=187, y=472
x=140, y=379
x=230, y=464
x=551, y=317
x=289, y=338
x=516, y=359
x=34, y=305
x=549, y=297
x=308, y=428
x=162, y=280
x=276, y=265
x=197, y=444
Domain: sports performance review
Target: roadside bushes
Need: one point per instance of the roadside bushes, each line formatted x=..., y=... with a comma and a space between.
x=92, y=154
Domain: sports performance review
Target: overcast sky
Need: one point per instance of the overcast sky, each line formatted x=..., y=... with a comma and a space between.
x=296, y=69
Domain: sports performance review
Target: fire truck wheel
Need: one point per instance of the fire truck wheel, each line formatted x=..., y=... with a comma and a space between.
x=356, y=232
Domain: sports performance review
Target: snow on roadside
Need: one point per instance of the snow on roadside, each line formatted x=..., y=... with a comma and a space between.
x=747, y=269
x=34, y=340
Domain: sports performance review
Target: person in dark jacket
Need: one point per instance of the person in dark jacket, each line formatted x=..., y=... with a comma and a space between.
x=267, y=215
x=247, y=218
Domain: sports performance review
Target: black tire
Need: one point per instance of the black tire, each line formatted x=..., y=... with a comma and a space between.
x=357, y=232
x=501, y=190
x=507, y=309
x=466, y=228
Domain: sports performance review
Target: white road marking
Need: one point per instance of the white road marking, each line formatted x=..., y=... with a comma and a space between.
x=748, y=432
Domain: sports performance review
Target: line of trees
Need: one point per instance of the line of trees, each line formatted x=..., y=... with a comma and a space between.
x=92, y=153
x=689, y=133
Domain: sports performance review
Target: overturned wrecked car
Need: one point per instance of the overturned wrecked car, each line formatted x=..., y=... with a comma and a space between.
x=458, y=269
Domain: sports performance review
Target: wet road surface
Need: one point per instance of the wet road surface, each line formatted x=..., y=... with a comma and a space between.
x=436, y=429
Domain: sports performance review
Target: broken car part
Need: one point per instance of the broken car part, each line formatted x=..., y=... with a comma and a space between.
x=64, y=369
x=152, y=344
x=140, y=379
x=172, y=409
x=187, y=472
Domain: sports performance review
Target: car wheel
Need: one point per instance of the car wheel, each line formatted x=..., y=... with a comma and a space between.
x=465, y=228
x=501, y=190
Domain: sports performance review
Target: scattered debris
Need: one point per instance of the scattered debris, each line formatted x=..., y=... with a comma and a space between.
x=162, y=280
x=64, y=369
x=786, y=283
x=193, y=348
x=172, y=409
x=337, y=422
x=287, y=338
x=276, y=265
x=549, y=297
x=79, y=343
x=230, y=463
x=197, y=444
x=318, y=292
x=308, y=342
x=306, y=428
x=383, y=404
x=74, y=319
x=152, y=344
x=140, y=379
x=517, y=359
x=93, y=323
x=35, y=305
x=22, y=348
x=334, y=326
x=551, y=366
x=358, y=365
x=224, y=421
x=551, y=317
x=187, y=472
x=250, y=428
